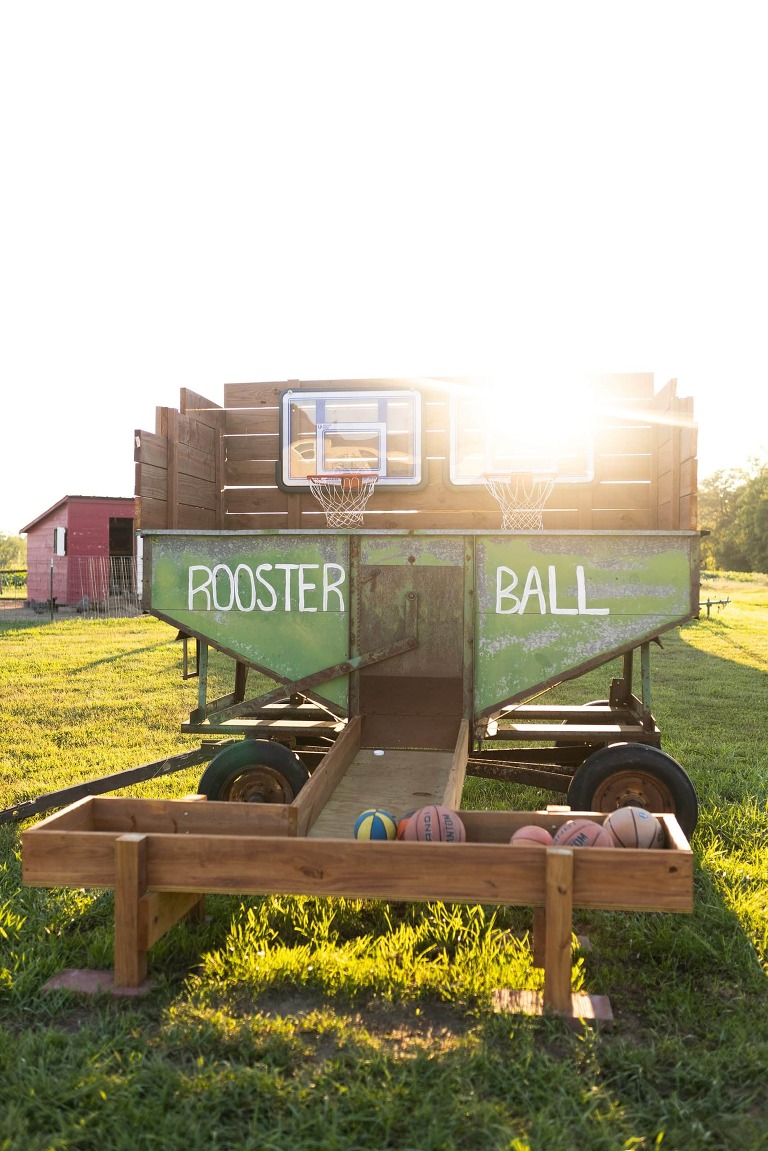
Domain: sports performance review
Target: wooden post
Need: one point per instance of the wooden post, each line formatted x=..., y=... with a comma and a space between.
x=130, y=888
x=539, y=937
x=559, y=930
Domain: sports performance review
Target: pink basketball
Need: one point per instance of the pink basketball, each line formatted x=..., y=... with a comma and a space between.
x=435, y=824
x=531, y=835
x=583, y=833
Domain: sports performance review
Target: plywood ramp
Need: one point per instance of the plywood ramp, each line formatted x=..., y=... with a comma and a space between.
x=398, y=781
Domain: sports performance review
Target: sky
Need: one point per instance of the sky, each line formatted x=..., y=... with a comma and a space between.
x=194, y=194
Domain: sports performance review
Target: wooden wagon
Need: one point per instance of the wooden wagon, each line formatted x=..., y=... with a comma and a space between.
x=404, y=649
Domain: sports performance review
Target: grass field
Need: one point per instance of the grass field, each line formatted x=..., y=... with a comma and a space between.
x=296, y=1023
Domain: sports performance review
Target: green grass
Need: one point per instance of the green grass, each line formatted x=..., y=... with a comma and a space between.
x=286, y=1022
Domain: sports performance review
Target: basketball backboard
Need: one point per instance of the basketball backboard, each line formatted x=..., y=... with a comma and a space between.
x=365, y=430
x=492, y=435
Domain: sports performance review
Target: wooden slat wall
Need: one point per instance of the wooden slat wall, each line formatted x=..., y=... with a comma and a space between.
x=212, y=467
x=675, y=464
x=180, y=467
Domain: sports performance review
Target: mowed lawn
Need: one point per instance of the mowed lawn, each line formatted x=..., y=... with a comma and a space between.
x=285, y=1023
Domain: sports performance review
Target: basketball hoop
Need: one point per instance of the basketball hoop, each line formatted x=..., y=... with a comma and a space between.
x=521, y=496
x=343, y=496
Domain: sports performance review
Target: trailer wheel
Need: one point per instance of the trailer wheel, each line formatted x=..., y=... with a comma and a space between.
x=634, y=775
x=254, y=771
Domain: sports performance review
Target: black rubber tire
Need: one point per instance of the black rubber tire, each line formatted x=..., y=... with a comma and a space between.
x=254, y=771
x=634, y=774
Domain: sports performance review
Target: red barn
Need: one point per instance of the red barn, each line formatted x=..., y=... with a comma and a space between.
x=81, y=550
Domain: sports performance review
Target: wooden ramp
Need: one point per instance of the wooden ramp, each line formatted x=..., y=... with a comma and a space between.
x=396, y=780
x=352, y=779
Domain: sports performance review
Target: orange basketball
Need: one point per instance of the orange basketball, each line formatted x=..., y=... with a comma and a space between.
x=583, y=833
x=435, y=824
x=402, y=823
x=634, y=827
x=531, y=835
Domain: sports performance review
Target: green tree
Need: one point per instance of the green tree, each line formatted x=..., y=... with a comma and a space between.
x=13, y=552
x=733, y=508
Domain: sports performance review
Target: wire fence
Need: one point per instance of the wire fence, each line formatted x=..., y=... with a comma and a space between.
x=89, y=586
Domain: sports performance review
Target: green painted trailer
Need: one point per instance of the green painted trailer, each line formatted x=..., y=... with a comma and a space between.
x=417, y=631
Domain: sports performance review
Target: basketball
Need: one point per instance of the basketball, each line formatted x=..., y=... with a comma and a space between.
x=582, y=833
x=402, y=822
x=375, y=824
x=634, y=827
x=435, y=824
x=531, y=836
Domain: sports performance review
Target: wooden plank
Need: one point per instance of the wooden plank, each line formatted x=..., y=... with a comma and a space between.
x=454, y=784
x=197, y=464
x=252, y=422
x=623, y=439
x=130, y=885
x=251, y=472
x=624, y=497
x=153, y=482
x=267, y=499
x=160, y=910
x=195, y=434
x=636, y=880
x=150, y=449
x=186, y=817
x=326, y=777
x=77, y=816
x=665, y=395
x=195, y=493
x=419, y=872
x=172, y=444
x=558, y=910
x=252, y=395
x=239, y=521
x=664, y=452
x=196, y=518
x=582, y=1008
x=251, y=447
x=689, y=511
x=204, y=411
x=629, y=469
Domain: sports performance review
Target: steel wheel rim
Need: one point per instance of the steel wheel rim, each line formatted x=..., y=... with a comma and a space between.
x=258, y=784
x=633, y=788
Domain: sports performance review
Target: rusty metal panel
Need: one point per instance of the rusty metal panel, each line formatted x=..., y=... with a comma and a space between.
x=431, y=567
x=551, y=606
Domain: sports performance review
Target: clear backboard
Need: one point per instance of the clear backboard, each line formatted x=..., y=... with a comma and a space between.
x=360, y=431
x=491, y=434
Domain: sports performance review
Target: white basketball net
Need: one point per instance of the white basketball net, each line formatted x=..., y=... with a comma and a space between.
x=521, y=497
x=343, y=496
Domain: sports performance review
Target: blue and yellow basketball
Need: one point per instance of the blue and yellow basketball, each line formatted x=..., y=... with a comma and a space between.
x=376, y=824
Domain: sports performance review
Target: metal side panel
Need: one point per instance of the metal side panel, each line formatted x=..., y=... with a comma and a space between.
x=550, y=607
x=280, y=603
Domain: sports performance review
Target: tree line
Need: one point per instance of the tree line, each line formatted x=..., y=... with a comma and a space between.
x=13, y=552
x=733, y=508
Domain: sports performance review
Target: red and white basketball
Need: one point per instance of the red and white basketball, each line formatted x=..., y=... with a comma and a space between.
x=634, y=827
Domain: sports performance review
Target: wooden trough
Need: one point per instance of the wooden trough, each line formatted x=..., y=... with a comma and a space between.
x=162, y=856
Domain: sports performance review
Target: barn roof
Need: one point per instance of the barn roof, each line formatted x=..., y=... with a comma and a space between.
x=70, y=499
